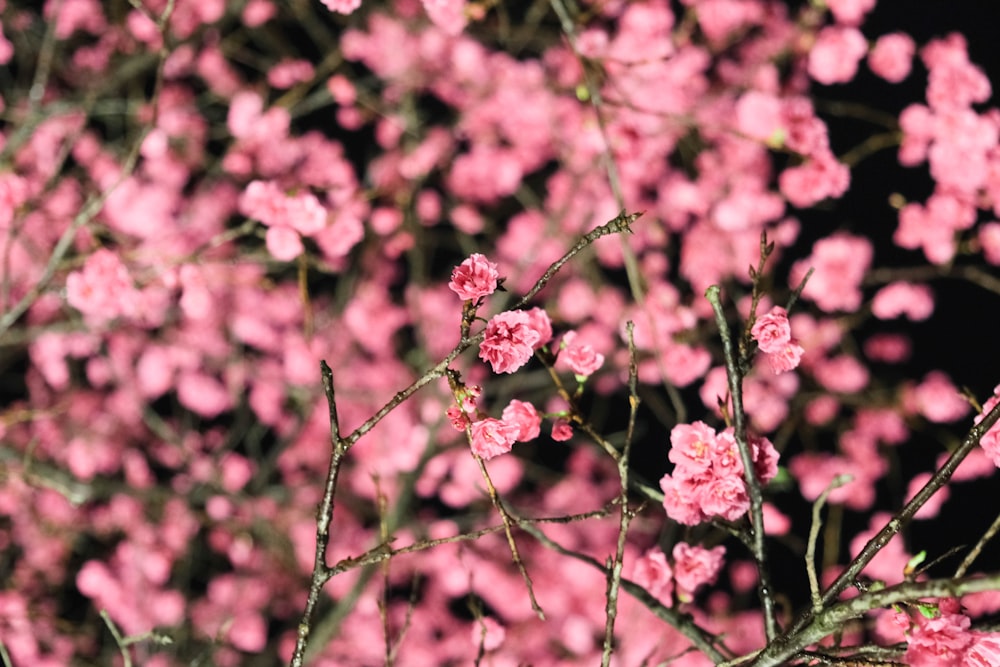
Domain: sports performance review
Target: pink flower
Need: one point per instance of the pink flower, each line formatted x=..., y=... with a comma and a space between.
x=342, y=6
x=939, y=642
x=916, y=302
x=583, y=359
x=474, y=278
x=842, y=374
x=457, y=417
x=561, y=430
x=785, y=359
x=289, y=72
x=525, y=417
x=449, y=15
x=835, y=55
x=840, y=262
x=492, y=437
x=772, y=331
x=695, y=566
x=103, y=290
x=691, y=446
x=938, y=400
x=539, y=320
x=850, y=12
x=818, y=178
x=509, y=341
x=283, y=243
x=652, y=572
x=892, y=56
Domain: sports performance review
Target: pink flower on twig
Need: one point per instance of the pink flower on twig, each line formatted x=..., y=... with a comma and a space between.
x=582, y=359
x=509, y=341
x=492, y=437
x=474, y=278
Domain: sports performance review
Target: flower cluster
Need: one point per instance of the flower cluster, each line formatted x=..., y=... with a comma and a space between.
x=491, y=437
x=707, y=479
x=946, y=640
x=694, y=567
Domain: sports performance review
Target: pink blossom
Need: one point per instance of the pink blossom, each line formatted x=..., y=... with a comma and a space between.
x=835, y=55
x=892, y=56
x=202, y=394
x=525, y=417
x=449, y=15
x=583, y=359
x=539, y=321
x=474, y=278
x=561, y=430
x=939, y=400
x=843, y=374
x=652, y=572
x=990, y=442
x=509, y=341
x=902, y=298
x=772, y=331
x=457, y=417
x=696, y=566
x=939, y=642
x=103, y=289
x=288, y=73
x=691, y=446
x=681, y=500
x=820, y=177
x=850, y=12
x=258, y=12
x=759, y=115
x=342, y=6
x=284, y=243
x=840, y=262
x=786, y=358
x=492, y=437
x=989, y=240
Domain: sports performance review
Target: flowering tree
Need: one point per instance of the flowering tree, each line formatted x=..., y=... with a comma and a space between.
x=437, y=332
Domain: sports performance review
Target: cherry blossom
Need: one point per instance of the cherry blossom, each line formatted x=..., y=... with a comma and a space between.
x=474, y=278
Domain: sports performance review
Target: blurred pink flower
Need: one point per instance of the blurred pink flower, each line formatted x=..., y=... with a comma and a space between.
x=892, y=56
x=652, y=572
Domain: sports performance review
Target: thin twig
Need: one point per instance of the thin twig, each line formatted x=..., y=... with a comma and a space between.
x=119, y=640
x=978, y=548
x=508, y=523
x=734, y=373
x=826, y=623
x=94, y=204
x=620, y=224
x=808, y=618
x=817, y=523
x=625, y=514
x=321, y=571
x=703, y=640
